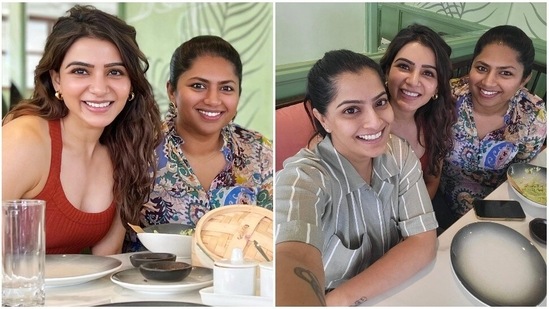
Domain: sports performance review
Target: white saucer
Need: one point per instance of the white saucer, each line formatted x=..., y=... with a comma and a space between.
x=132, y=279
x=211, y=299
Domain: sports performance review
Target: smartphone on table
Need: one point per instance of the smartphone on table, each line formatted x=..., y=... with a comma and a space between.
x=498, y=210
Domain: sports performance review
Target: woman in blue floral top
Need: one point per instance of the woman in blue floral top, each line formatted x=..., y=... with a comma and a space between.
x=206, y=160
x=499, y=121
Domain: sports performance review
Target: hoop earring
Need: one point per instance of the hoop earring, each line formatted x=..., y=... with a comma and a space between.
x=435, y=96
x=58, y=95
x=132, y=96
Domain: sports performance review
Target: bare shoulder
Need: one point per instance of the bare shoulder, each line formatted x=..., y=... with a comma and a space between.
x=26, y=154
x=26, y=131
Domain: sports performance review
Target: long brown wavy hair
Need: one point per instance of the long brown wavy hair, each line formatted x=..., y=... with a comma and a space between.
x=437, y=117
x=134, y=134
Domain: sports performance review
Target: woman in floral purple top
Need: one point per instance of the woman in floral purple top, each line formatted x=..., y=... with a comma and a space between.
x=206, y=160
x=499, y=121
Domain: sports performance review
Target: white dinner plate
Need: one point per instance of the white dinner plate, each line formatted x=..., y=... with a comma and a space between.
x=218, y=300
x=132, y=279
x=70, y=269
x=152, y=303
x=498, y=265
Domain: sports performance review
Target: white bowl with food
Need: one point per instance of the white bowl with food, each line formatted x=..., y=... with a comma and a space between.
x=168, y=238
x=529, y=183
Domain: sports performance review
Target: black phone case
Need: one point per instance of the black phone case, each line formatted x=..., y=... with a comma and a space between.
x=498, y=210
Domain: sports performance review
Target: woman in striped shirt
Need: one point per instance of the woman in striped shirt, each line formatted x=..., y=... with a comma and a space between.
x=353, y=216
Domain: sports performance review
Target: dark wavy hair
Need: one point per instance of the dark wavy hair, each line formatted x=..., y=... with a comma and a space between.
x=436, y=117
x=514, y=38
x=321, y=80
x=203, y=45
x=134, y=134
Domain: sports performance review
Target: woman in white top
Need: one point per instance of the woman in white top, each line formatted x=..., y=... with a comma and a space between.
x=353, y=216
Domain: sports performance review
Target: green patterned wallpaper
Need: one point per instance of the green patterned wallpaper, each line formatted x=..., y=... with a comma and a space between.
x=531, y=17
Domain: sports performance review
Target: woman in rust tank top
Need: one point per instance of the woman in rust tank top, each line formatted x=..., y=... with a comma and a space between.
x=84, y=142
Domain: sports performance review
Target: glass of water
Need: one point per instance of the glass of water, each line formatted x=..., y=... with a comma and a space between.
x=23, y=253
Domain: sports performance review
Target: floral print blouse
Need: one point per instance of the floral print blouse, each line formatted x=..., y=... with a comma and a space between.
x=475, y=167
x=178, y=196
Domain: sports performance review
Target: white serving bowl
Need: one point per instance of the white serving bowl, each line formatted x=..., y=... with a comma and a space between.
x=167, y=239
x=520, y=174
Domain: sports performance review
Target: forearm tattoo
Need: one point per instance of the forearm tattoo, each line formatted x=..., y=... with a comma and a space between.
x=359, y=301
x=311, y=279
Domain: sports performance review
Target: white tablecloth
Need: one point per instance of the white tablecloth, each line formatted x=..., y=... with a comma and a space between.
x=104, y=291
x=437, y=285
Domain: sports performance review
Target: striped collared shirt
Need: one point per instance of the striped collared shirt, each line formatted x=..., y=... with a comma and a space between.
x=322, y=200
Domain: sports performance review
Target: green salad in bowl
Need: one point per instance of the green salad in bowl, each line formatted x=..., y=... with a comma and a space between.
x=529, y=182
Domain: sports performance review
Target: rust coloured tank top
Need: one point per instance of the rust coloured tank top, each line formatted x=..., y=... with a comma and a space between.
x=68, y=230
x=424, y=160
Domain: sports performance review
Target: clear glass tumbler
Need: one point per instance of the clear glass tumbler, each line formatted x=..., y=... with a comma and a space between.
x=23, y=253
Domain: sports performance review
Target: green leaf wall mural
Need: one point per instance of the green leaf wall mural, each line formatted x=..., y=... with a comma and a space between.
x=460, y=10
x=161, y=27
x=531, y=17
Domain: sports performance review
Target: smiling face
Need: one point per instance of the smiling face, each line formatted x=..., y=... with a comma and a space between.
x=412, y=79
x=495, y=76
x=206, y=96
x=93, y=82
x=359, y=117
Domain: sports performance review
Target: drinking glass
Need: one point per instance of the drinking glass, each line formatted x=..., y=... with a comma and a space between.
x=23, y=253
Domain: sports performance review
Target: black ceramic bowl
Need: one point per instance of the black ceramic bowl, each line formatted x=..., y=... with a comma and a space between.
x=165, y=270
x=140, y=258
x=538, y=229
